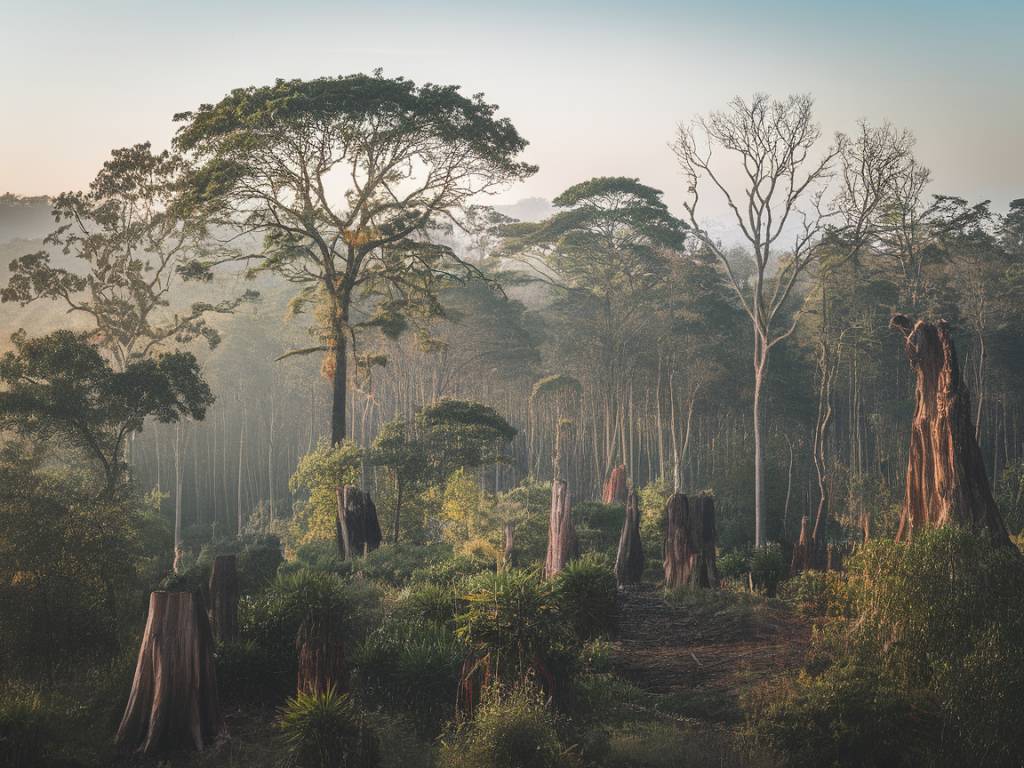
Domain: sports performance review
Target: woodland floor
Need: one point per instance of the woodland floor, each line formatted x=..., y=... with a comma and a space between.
x=697, y=652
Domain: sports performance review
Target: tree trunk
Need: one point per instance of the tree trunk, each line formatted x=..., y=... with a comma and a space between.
x=562, y=543
x=629, y=562
x=321, y=655
x=508, y=554
x=615, y=486
x=339, y=384
x=690, y=542
x=358, y=528
x=173, y=702
x=946, y=478
x=802, y=549
x=224, y=598
x=760, y=533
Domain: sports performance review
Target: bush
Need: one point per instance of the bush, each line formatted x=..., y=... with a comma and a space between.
x=452, y=569
x=733, y=565
x=429, y=601
x=768, y=568
x=599, y=526
x=412, y=665
x=24, y=728
x=814, y=594
x=587, y=596
x=325, y=730
x=246, y=672
x=509, y=730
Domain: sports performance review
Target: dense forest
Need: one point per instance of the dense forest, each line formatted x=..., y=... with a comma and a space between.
x=312, y=456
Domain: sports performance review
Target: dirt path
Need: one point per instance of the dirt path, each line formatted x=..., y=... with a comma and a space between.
x=717, y=642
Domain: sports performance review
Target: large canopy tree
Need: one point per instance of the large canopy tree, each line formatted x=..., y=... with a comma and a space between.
x=347, y=180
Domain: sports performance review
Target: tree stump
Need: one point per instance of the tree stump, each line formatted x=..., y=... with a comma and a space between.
x=562, y=543
x=629, y=561
x=224, y=598
x=173, y=702
x=358, y=529
x=946, y=478
x=615, y=491
x=508, y=554
x=321, y=655
x=802, y=549
x=690, y=542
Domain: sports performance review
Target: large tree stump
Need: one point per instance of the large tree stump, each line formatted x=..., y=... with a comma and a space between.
x=615, y=490
x=357, y=525
x=690, y=542
x=802, y=549
x=562, y=543
x=946, y=478
x=629, y=561
x=224, y=598
x=321, y=655
x=173, y=702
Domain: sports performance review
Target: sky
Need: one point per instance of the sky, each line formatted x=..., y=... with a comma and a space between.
x=597, y=88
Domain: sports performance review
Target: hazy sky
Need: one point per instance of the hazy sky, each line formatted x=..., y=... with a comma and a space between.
x=596, y=87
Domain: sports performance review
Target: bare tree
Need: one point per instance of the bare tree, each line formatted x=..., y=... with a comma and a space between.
x=790, y=209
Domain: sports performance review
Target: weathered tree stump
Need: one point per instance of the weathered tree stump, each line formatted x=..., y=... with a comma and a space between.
x=224, y=598
x=802, y=550
x=321, y=655
x=690, y=542
x=357, y=525
x=173, y=702
x=508, y=554
x=615, y=490
x=562, y=543
x=629, y=561
x=946, y=478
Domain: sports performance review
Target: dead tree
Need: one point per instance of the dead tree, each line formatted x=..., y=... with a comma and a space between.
x=508, y=555
x=946, y=478
x=321, y=652
x=614, y=491
x=690, y=542
x=173, y=703
x=562, y=543
x=224, y=598
x=629, y=562
x=357, y=526
x=802, y=549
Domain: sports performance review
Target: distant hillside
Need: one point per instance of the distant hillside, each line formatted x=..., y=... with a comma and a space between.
x=528, y=209
x=24, y=218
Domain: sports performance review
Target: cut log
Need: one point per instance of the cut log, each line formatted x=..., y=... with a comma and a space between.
x=224, y=598
x=357, y=525
x=563, y=546
x=802, y=549
x=173, y=702
x=615, y=490
x=321, y=655
x=629, y=562
x=946, y=478
x=690, y=540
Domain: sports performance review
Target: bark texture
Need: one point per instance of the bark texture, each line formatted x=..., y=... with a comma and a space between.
x=690, y=539
x=508, y=555
x=358, y=528
x=562, y=543
x=321, y=654
x=946, y=478
x=173, y=702
x=802, y=550
x=224, y=598
x=629, y=562
x=614, y=491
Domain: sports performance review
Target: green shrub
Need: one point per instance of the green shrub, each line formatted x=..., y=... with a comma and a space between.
x=411, y=665
x=246, y=672
x=813, y=593
x=733, y=565
x=587, y=596
x=429, y=601
x=25, y=728
x=513, y=729
x=452, y=569
x=599, y=526
x=325, y=730
x=768, y=568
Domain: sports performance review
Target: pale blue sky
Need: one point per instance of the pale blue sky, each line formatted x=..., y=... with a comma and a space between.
x=596, y=87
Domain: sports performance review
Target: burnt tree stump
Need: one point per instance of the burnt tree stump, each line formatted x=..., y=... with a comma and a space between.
x=173, y=703
x=629, y=561
x=946, y=478
x=562, y=543
x=690, y=539
x=357, y=525
x=224, y=598
x=321, y=652
x=615, y=491
x=802, y=550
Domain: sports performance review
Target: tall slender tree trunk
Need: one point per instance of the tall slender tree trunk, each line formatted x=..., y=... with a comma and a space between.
x=340, y=383
x=760, y=533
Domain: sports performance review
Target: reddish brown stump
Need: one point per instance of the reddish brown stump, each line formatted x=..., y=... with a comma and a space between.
x=224, y=598
x=690, y=539
x=321, y=654
x=562, y=543
x=615, y=489
x=629, y=561
x=173, y=703
x=357, y=525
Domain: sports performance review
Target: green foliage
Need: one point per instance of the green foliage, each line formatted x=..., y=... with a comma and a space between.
x=326, y=730
x=598, y=526
x=511, y=729
x=587, y=596
x=733, y=565
x=246, y=672
x=25, y=728
x=653, y=501
x=435, y=602
x=768, y=568
x=814, y=593
x=320, y=473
